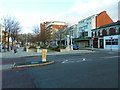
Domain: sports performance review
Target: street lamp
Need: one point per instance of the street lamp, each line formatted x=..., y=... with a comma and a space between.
x=71, y=40
x=68, y=40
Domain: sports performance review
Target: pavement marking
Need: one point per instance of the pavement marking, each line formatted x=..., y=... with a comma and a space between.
x=65, y=61
x=74, y=60
x=111, y=57
x=84, y=59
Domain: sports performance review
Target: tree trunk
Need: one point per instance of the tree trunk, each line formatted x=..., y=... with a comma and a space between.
x=8, y=43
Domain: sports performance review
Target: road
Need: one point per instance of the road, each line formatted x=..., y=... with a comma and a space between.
x=98, y=70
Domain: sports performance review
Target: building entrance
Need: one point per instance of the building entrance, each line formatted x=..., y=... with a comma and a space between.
x=101, y=43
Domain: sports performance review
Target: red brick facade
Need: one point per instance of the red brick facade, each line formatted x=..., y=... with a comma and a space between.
x=103, y=19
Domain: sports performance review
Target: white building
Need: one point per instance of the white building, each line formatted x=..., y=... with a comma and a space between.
x=73, y=31
x=85, y=26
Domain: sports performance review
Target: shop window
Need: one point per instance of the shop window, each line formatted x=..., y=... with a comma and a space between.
x=113, y=42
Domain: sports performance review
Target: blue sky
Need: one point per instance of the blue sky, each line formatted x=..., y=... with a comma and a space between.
x=34, y=12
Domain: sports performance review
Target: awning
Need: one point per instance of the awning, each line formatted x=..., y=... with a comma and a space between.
x=82, y=39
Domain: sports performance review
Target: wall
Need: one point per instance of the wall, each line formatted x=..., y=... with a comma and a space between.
x=82, y=44
x=103, y=19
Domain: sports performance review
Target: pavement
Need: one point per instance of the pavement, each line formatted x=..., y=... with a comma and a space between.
x=4, y=65
x=22, y=53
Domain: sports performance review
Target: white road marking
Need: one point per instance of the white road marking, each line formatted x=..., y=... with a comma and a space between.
x=111, y=57
x=84, y=59
x=3, y=67
x=64, y=61
x=74, y=60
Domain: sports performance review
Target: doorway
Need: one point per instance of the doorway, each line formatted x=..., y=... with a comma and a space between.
x=101, y=43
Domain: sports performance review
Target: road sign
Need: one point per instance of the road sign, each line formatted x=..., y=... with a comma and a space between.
x=111, y=38
x=44, y=55
x=92, y=38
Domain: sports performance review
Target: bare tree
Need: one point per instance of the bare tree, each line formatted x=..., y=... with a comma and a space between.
x=45, y=36
x=12, y=26
x=36, y=36
x=26, y=38
x=61, y=35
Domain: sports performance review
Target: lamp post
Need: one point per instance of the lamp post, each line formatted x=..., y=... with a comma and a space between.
x=71, y=43
x=68, y=40
x=71, y=40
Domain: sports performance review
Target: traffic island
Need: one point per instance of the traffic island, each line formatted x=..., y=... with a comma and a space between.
x=32, y=64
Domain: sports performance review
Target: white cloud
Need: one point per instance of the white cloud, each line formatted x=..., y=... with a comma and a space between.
x=81, y=10
x=28, y=21
x=19, y=1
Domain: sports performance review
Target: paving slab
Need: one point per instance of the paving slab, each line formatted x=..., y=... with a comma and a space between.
x=22, y=53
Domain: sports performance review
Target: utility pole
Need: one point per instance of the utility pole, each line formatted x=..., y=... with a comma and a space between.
x=111, y=42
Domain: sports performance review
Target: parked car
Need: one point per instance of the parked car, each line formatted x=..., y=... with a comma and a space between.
x=4, y=47
x=75, y=47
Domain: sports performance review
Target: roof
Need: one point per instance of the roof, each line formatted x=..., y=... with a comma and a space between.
x=112, y=24
x=108, y=25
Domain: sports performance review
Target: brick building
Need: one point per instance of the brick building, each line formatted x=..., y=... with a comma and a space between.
x=107, y=36
x=51, y=27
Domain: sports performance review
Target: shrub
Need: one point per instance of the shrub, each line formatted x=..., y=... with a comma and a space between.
x=32, y=47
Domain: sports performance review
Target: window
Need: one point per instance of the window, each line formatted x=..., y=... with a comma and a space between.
x=117, y=29
x=107, y=30
x=93, y=33
x=112, y=31
x=85, y=27
x=100, y=32
x=85, y=33
x=113, y=42
x=96, y=33
x=104, y=32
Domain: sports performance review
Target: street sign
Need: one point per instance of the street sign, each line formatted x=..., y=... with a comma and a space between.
x=44, y=55
x=92, y=38
x=111, y=38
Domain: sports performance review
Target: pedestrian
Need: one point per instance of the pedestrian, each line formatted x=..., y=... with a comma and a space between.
x=15, y=49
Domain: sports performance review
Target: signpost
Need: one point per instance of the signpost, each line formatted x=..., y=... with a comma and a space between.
x=44, y=55
x=92, y=43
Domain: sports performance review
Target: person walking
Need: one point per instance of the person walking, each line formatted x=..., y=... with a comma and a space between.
x=15, y=49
